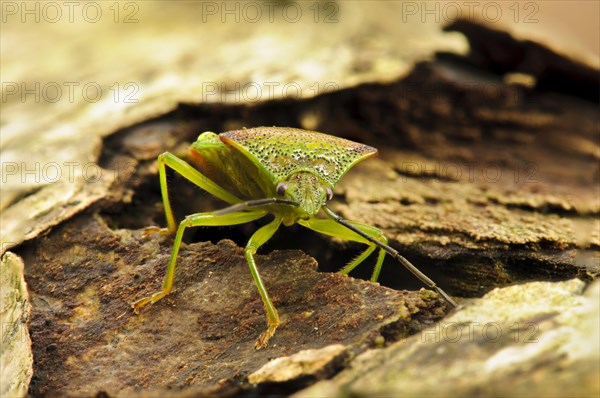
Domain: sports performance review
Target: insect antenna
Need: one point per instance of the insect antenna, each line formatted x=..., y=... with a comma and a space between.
x=254, y=203
x=394, y=253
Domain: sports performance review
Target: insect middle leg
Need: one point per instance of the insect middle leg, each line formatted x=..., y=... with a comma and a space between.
x=196, y=220
x=190, y=173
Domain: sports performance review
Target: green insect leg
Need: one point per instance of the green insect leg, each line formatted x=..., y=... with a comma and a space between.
x=196, y=220
x=332, y=228
x=194, y=176
x=391, y=251
x=259, y=238
x=376, y=234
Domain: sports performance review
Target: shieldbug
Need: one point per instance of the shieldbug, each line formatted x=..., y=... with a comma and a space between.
x=285, y=172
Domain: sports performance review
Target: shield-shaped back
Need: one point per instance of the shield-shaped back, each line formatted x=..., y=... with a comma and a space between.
x=283, y=151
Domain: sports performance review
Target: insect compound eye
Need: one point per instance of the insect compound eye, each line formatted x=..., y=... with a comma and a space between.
x=329, y=193
x=280, y=188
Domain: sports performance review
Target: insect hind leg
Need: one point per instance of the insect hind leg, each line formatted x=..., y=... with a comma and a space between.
x=184, y=169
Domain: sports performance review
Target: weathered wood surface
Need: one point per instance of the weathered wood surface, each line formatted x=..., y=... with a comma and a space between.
x=16, y=361
x=123, y=69
x=538, y=339
x=484, y=179
x=87, y=339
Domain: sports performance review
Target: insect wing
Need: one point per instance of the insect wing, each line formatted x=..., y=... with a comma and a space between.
x=226, y=167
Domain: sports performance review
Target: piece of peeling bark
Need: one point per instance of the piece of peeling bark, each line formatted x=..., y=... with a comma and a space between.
x=535, y=339
x=544, y=62
x=86, y=338
x=311, y=362
x=16, y=360
x=67, y=131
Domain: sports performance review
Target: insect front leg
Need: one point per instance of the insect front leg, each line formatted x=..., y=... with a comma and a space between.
x=332, y=228
x=190, y=173
x=377, y=234
x=195, y=220
x=260, y=237
x=392, y=252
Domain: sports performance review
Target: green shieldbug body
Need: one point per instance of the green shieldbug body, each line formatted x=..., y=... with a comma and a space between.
x=286, y=172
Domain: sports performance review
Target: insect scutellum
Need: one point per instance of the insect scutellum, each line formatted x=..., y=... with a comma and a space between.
x=286, y=172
